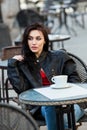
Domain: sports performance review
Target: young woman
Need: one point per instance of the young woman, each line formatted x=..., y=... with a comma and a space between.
x=37, y=65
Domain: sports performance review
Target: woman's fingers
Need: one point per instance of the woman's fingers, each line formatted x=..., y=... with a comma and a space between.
x=18, y=57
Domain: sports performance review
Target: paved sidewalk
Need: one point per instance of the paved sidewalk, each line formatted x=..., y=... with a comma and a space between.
x=83, y=127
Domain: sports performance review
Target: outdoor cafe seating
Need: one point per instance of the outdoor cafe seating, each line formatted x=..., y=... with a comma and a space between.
x=7, y=53
x=81, y=69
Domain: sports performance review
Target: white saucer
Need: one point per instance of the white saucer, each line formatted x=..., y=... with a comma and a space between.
x=56, y=87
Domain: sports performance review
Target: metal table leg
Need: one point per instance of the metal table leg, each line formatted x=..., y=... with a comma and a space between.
x=73, y=117
x=60, y=118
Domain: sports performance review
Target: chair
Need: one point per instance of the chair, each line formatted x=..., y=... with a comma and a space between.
x=80, y=66
x=8, y=52
x=82, y=72
x=14, y=118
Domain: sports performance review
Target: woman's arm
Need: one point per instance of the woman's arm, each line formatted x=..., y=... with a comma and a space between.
x=16, y=77
x=20, y=75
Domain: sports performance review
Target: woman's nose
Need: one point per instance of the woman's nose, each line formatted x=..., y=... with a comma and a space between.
x=34, y=41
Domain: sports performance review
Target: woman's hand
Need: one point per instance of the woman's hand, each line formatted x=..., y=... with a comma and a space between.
x=18, y=57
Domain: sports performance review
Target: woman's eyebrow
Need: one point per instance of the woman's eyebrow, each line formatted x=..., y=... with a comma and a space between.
x=36, y=36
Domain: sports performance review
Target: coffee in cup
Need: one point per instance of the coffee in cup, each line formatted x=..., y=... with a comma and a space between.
x=60, y=81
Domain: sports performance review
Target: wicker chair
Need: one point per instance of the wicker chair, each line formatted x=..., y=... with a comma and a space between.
x=82, y=72
x=14, y=118
x=80, y=66
x=8, y=52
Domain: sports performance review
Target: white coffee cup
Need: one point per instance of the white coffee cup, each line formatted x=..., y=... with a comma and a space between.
x=60, y=81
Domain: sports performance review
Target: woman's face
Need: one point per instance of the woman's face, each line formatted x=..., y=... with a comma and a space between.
x=36, y=42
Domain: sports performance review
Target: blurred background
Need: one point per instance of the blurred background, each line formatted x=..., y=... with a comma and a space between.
x=60, y=17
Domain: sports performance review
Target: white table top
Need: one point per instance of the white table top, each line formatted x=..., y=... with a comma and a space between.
x=70, y=91
x=49, y=96
x=60, y=37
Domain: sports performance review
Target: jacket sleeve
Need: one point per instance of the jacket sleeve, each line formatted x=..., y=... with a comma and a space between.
x=18, y=82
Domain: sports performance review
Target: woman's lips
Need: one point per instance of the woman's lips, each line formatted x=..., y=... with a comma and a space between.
x=34, y=48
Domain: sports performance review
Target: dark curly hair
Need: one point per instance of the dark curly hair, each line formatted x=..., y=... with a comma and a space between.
x=25, y=48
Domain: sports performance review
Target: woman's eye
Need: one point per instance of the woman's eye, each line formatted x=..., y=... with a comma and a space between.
x=38, y=38
x=29, y=38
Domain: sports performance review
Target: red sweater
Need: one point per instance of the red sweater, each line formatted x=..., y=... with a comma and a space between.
x=45, y=80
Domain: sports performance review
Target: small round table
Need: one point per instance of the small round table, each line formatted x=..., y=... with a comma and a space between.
x=35, y=97
x=57, y=38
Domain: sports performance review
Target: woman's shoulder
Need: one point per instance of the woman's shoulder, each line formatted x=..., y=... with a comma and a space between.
x=57, y=52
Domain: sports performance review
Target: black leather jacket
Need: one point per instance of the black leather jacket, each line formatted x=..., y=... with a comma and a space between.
x=24, y=76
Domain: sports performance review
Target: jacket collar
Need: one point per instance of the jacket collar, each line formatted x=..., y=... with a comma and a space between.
x=42, y=56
